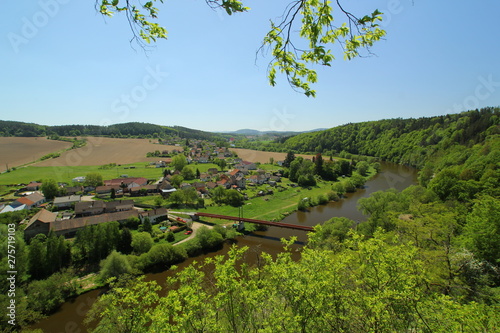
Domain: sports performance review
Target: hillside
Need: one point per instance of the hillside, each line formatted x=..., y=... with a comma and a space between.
x=133, y=129
x=406, y=141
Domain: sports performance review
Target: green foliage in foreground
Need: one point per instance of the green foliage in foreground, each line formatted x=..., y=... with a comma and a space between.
x=373, y=285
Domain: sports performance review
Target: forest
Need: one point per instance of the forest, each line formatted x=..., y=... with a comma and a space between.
x=126, y=130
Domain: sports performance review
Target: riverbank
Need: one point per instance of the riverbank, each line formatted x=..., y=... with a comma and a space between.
x=391, y=176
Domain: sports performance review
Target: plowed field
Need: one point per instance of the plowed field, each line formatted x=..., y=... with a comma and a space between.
x=16, y=151
x=262, y=156
x=100, y=151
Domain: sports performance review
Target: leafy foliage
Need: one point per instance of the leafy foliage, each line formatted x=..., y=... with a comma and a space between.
x=406, y=141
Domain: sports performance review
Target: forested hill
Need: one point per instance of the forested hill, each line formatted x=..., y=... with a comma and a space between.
x=133, y=129
x=406, y=141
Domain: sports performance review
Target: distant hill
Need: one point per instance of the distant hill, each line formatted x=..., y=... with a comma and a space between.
x=405, y=141
x=132, y=129
x=279, y=133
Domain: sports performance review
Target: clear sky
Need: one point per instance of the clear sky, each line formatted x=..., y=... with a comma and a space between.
x=63, y=63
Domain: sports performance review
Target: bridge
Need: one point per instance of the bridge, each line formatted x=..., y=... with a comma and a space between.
x=242, y=219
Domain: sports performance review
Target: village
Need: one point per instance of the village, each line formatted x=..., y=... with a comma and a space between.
x=83, y=202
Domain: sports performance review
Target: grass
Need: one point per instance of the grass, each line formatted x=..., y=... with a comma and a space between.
x=67, y=173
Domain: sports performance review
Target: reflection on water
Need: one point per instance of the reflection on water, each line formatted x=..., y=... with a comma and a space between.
x=70, y=317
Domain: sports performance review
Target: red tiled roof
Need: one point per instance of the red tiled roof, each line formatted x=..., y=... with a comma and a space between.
x=25, y=201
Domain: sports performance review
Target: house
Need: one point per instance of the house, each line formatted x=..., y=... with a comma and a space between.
x=80, y=179
x=33, y=200
x=139, y=181
x=161, y=164
x=166, y=192
x=211, y=185
x=200, y=187
x=147, y=189
x=89, y=208
x=107, y=189
x=33, y=186
x=237, y=178
x=72, y=190
x=224, y=182
x=10, y=208
x=69, y=227
x=213, y=171
x=245, y=166
x=155, y=215
x=203, y=159
x=67, y=202
x=205, y=177
x=39, y=223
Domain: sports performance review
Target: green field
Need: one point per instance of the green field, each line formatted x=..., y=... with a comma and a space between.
x=67, y=173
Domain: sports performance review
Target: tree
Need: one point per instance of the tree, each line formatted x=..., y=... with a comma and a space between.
x=187, y=173
x=146, y=225
x=126, y=308
x=176, y=180
x=176, y=198
x=218, y=195
x=142, y=242
x=179, y=161
x=50, y=189
x=362, y=168
x=124, y=244
x=482, y=231
x=113, y=194
x=114, y=265
x=316, y=30
x=368, y=285
x=37, y=257
x=93, y=179
x=290, y=157
x=234, y=198
x=318, y=165
x=221, y=163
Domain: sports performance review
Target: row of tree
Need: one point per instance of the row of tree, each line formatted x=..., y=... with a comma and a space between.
x=132, y=129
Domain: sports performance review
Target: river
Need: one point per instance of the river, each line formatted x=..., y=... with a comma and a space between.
x=69, y=318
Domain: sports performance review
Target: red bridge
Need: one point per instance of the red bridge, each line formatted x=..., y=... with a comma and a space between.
x=274, y=224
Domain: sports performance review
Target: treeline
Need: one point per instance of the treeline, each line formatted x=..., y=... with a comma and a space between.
x=405, y=141
x=126, y=130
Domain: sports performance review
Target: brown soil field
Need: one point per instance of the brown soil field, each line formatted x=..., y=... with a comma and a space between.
x=16, y=151
x=100, y=151
x=262, y=156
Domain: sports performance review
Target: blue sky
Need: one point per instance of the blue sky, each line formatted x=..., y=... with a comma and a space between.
x=62, y=63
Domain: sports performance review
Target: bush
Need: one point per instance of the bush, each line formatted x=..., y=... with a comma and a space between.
x=209, y=239
x=161, y=256
x=114, y=265
x=322, y=199
x=142, y=242
x=45, y=296
x=170, y=236
x=333, y=196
